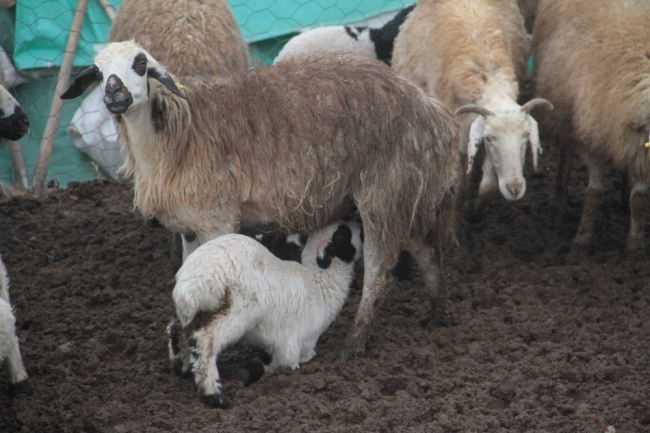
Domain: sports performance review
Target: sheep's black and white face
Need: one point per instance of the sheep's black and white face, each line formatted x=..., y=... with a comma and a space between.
x=342, y=240
x=13, y=119
x=123, y=70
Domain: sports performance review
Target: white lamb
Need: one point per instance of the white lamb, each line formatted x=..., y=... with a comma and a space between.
x=374, y=43
x=233, y=288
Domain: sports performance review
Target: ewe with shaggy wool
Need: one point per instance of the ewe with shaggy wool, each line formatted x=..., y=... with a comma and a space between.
x=602, y=97
x=471, y=55
x=233, y=288
x=291, y=147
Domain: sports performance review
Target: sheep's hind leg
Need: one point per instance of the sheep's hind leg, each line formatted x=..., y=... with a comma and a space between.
x=375, y=280
x=206, y=344
x=635, y=245
x=593, y=198
x=430, y=265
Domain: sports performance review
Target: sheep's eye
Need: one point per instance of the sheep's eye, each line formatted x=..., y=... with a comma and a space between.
x=140, y=64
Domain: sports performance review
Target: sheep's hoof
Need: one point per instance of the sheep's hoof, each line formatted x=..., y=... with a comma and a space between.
x=578, y=253
x=351, y=350
x=255, y=372
x=215, y=400
x=23, y=387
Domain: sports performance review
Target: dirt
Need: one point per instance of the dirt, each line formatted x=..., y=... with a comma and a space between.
x=535, y=344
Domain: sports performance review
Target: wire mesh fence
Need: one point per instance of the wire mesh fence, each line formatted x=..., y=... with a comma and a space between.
x=42, y=35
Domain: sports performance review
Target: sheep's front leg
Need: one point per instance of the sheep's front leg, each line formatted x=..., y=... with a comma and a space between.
x=558, y=201
x=487, y=188
x=429, y=265
x=13, y=361
x=375, y=280
x=593, y=198
x=635, y=245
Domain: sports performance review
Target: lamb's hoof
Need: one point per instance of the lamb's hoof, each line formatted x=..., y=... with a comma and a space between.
x=255, y=372
x=177, y=369
x=215, y=400
x=23, y=387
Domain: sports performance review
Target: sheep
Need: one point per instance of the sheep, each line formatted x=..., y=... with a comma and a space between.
x=199, y=37
x=9, y=348
x=291, y=147
x=471, y=55
x=602, y=100
x=233, y=288
x=14, y=122
x=368, y=42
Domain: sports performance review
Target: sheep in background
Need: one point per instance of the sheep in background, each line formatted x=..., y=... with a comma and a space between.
x=471, y=55
x=601, y=93
x=233, y=288
x=14, y=122
x=290, y=147
x=187, y=36
x=364, y=41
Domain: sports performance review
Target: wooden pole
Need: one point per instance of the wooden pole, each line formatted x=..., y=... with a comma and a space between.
x=49, y=135
x=108, y=9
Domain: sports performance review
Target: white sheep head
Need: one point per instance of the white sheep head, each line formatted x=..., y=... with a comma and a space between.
x=505, y=131
x=13, y=119
x=123, y=69
x=341, y=240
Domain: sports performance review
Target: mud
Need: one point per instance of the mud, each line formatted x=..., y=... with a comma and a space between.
x=535, y=344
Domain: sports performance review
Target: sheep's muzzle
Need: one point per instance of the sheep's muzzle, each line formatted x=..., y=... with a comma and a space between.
x=14, y=126
x=116, y=95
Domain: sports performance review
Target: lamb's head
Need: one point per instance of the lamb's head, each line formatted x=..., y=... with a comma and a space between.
x=505, y=131
x=13, y=119
x=123, y=69
x=341, y=240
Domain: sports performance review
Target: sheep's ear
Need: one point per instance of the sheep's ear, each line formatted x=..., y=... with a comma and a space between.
x=84, y=80
x=159, y=73
x=475, y=139
x=533, y=139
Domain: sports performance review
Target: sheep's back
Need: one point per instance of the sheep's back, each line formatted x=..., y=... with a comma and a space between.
x=187, y=36
x=592, y=63
x=450, y=47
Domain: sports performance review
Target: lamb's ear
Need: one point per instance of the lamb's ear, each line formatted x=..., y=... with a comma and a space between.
x=159, y=73
x=342, y=244
x=84, y=80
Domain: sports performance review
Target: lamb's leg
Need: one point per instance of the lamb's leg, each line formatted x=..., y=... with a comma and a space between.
x=429, y=265
x=307, y=352
x=375, y=280
x=635, y=245
x=593, y=198
x=179, y=350
x=206, y=344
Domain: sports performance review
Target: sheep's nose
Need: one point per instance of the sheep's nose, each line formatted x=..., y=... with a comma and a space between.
x=515, y=189
x=113, y=86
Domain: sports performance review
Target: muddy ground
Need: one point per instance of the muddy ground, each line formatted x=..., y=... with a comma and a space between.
x=535, y=345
